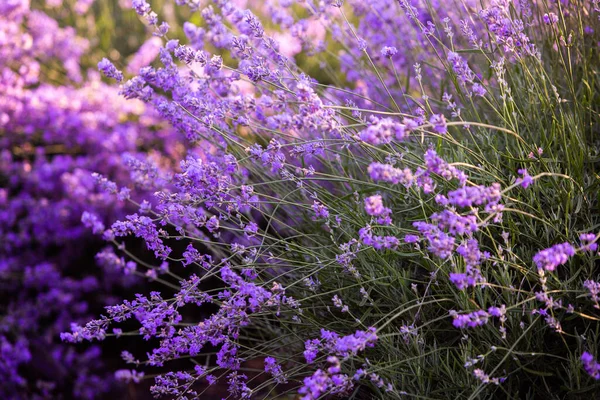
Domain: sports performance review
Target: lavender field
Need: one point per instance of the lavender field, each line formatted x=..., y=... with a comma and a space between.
x=299, y=199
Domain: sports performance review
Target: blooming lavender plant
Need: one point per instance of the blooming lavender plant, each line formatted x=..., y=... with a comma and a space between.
x=368, y=230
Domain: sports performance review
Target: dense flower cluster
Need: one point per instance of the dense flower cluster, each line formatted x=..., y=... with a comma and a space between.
x=53, y=137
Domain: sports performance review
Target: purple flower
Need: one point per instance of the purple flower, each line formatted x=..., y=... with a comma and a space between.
x=470, y=320
x=590, y=365
x=497, y=312
x=315, y=385
x=411, y=238
x=593, y=290
x=346, y=346
x=588, y=242
x=382, y=131
x=251, y=229
x=525, y=180
x=461, y=68
x=191, y=255
x=274, y=369
x=92, y=221
x=550, y=18
x=554, y=256
x=141, y=7
x=109, y=70
x=440, y=243
x=435, y=164
x=387, y=173
x=374, y=207
x=485, y=378
x=469, y=196
x=471, y=277
x=311, y=350
x=508, y=32
x=439, y=123
x=479, y=90
x=455, y=223
x=189, y=55
x=388, y=51
x=378, y=242
x=320, y=210
x=126, y=375
x=470, y=252
x=321, y=382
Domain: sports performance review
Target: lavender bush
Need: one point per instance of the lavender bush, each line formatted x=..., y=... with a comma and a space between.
x=58, y=125
x=415, y=218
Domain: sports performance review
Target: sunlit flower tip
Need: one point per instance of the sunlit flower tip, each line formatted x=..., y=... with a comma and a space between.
x=109, y=70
